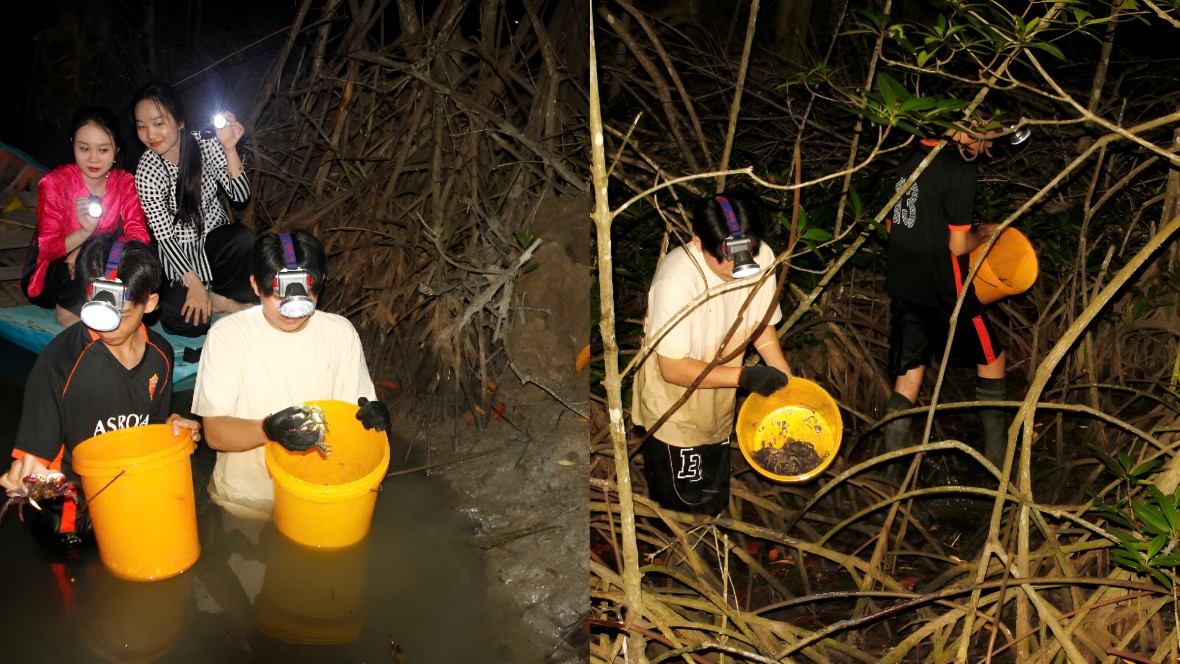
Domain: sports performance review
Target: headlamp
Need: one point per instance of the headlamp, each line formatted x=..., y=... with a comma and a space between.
x=94, y=206
x=740, y=251
x=291, y=284
x=104, y=309
x=1018, y=135
x=737, y=248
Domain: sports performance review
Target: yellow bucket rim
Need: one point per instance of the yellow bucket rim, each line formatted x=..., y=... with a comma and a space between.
x=788, y=399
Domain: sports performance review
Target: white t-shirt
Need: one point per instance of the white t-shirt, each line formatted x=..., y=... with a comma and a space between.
x=682, y=275
x=249, y=370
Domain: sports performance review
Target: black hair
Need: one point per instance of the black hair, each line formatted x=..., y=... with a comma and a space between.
x=710, y=225
x=188, y=172
x=104, y=118
x=266, y=259
x=139, y=268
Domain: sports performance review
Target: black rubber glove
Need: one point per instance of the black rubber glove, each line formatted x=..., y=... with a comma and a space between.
x=374, y=415
x=291, y=428
x=762, y=380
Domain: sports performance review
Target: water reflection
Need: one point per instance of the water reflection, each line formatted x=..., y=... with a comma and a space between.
x=415, y=586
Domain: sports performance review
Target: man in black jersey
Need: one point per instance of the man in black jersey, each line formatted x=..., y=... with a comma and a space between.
x=931, y=236
x=85, y=382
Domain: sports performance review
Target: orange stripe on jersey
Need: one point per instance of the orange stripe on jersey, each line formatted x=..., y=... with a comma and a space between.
x=93, y=339
x=958, y=275
x=985, y=341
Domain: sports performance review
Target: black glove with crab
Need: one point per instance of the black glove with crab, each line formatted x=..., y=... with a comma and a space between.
x=298, y=428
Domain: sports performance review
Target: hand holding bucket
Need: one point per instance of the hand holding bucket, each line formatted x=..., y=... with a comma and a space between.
x=1010, y=268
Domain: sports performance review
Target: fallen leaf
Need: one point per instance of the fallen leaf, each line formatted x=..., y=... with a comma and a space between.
x=583, y=358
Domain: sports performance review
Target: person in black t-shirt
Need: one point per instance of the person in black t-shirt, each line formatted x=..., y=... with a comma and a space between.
x=931, y=236
x=87, y=382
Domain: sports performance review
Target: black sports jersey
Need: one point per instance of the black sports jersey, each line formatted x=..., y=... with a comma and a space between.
x=77, y=389
x=922, y=269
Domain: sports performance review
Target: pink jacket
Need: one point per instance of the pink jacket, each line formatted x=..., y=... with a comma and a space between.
x=57, y=214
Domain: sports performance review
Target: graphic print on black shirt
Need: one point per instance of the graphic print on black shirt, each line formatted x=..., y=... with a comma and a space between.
x=921, y=267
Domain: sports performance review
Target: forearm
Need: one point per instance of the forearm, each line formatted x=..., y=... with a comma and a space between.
x=75, y=239
x=684, y=372
x=771, y=351
x=963, y=242
x=233, y=161
x=233, y=434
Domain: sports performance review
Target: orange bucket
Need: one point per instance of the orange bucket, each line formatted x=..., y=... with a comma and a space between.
x=327, y=502
x=775, y=432
x=1010, y=268
x=138, y=484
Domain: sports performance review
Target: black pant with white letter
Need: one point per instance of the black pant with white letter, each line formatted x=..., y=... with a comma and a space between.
x=687, y=479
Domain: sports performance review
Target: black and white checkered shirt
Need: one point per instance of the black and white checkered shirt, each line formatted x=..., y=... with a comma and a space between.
x=155, y=178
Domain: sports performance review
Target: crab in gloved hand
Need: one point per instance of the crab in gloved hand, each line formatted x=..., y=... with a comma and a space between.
x=39, y=487
x=298, y=428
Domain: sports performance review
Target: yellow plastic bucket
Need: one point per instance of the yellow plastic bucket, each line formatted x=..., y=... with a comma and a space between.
x=314, y=596
x=138, y=484
x=328, y=502
x=792, y=435
x=1010, y=268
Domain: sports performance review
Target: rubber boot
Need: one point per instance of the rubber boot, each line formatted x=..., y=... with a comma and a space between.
x=993, y=421
x=897, y=434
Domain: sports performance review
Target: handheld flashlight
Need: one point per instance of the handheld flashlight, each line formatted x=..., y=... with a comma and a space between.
x=219, y=120
x=94, y=206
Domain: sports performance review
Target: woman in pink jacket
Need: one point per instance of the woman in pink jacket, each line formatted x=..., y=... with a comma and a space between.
x=75, y=201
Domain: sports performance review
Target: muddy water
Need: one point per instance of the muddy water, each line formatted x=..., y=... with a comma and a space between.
x=413, y=591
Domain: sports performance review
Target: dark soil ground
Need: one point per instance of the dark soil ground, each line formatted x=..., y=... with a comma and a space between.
x=529, y=492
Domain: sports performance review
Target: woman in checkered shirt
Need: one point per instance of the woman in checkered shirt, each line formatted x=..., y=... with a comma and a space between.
x=205, y=255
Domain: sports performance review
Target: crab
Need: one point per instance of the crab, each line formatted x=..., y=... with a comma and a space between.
x=39, y=487
x=314, y=421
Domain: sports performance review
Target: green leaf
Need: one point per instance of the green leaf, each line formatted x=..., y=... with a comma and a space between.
x=1161, y=577
x=817, y=235
x=854, y=201
x=1169, y=560
x=1053, y=51
x=1168, y=510
x=905, y=126
x=1156, y=545
x=924, y=57
x=1146, y=468
x=1153, y=519
x=917, y=104
x=891, y=90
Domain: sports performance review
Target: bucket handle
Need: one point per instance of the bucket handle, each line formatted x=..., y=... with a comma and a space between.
x=104, y=488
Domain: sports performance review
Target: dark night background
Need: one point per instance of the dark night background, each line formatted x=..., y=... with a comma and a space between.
x=62, y=54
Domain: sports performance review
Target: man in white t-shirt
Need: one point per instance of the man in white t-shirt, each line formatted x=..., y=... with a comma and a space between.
x=260, y=365
x=686, y=460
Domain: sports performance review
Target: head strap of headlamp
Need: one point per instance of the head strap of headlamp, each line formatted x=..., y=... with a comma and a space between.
x=116, y=255
x=735, y=229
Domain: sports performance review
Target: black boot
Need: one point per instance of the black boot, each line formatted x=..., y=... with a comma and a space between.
x=897, y=434
x=993, y=421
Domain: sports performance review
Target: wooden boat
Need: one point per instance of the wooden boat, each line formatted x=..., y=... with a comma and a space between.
x=29, y=326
